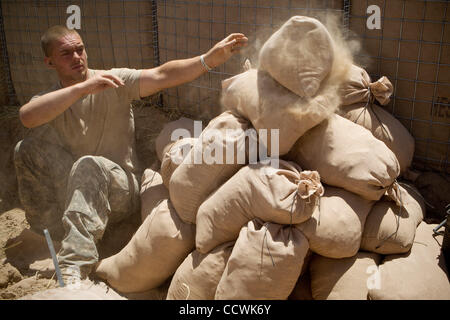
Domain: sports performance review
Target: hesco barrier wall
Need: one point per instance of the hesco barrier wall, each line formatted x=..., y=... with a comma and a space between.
x=412, y=48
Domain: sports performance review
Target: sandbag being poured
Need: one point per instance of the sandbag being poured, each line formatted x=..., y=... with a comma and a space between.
x=348, y=156
x=299, y=55
x=256, y=96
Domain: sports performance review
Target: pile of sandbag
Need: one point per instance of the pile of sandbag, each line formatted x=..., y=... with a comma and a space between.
x=331, y=219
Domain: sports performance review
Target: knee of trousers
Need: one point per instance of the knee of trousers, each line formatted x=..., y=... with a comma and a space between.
x=89, y=167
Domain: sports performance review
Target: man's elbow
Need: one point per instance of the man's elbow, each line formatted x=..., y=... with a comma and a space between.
x=26, y=118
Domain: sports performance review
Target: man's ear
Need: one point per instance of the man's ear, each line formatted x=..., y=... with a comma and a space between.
x=48, y=62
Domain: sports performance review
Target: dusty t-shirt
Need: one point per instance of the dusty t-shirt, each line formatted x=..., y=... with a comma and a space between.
x=102, y=124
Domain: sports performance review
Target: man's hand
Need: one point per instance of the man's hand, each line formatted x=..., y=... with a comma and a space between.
x=224, y=49
x=99, y=82
x=177, y=72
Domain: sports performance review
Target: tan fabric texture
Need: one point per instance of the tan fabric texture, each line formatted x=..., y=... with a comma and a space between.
x=337, y=224
x=343, y=279
x=102, y=124
x=347, y=156
x=390, y=229
x=265, y=263
x=385, y=127
x=358, y=88
x=358, y=94
x=256, y=96
x=165, y=138
x=286, y=195
x=417, y=275
x=299, y=55
x=154, y=253
x=197, y=277
x=173, y=156
x=191, y=183
x=152, y=192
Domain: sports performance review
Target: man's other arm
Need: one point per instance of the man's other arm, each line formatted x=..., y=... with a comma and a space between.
x=47, y=107
x=177, y=72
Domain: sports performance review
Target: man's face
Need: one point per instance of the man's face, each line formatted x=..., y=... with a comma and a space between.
x=68, y=57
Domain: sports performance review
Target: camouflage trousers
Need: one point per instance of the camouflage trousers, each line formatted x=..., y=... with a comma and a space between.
x=75, y=199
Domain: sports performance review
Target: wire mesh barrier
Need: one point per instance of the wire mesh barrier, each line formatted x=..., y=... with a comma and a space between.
x=116, y=34
x=411, y=48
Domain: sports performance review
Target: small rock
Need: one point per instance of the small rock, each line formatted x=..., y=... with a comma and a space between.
x=8, y=275
x=45, y=267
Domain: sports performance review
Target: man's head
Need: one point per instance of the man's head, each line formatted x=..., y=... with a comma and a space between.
x=64, y=51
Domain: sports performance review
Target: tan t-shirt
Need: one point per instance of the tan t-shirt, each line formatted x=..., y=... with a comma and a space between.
x=102, y=124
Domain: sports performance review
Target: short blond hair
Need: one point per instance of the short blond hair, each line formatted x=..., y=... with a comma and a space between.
x=52, y=34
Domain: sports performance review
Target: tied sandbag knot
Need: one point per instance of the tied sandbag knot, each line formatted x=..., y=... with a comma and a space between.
x=309, y=184
x=395, y=194
x=369, y=105
x=382, y=90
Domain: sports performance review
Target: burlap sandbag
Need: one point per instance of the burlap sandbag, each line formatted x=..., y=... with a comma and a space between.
x=337, y=224
x=302, y=289
x=358, y=87
x=265, y=263
x=153, y=254
x=390, y=229
x=174, y=156
x=286, y=195
x=165, y=136
x=299, y=55
x=348, y=156
x=152, y=192
x=420, y=274
x=204, y=169
x=343, y=279
x=197, y=277
x=256, y=96
x=358, y=94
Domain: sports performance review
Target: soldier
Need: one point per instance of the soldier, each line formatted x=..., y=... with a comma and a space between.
x=78, y=170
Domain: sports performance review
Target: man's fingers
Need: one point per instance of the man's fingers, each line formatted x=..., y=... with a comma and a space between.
x=230, y=43
x=108, y=82
x=116, y=80
x=234, y=36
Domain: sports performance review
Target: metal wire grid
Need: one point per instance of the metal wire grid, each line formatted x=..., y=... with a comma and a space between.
x=416, y=32
x=117, y=33
x=412, y=49
x=189, y=28
x=7, y=86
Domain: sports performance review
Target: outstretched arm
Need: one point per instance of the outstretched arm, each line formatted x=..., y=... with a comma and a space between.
x=177, y=72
